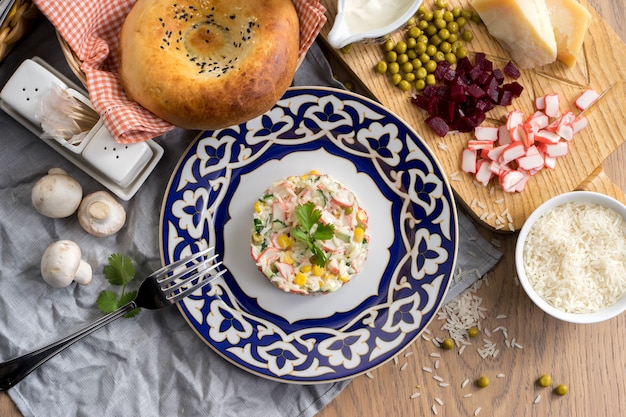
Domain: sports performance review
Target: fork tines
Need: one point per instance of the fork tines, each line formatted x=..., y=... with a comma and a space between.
x=184, y=276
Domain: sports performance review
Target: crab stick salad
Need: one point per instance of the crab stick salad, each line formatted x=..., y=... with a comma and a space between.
x=309, y=234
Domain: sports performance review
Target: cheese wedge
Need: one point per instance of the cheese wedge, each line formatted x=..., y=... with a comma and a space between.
x=522, y=27
x=570, y=21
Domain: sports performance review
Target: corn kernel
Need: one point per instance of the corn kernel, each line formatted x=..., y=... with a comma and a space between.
x=359, y=232
x=306, y=268
x=330, y=277
x=318, y=271
x=344, y=278
x=284, y=241
x=300, y=279
x=361, y=216
x=257, y=238
x=288, y=259
x=257, y=206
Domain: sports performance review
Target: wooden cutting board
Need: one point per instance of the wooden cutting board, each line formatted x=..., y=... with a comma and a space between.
x=601, y=66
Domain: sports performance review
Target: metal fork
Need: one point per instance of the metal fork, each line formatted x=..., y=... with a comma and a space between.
x=162, y=288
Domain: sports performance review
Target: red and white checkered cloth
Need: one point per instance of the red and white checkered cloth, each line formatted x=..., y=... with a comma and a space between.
x=91, y=29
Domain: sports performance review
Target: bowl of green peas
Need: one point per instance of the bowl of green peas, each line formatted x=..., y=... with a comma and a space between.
x=369, y=21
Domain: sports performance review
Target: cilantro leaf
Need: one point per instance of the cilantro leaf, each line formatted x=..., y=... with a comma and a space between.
x=309, y=217
x=120, y=270
x=107, y=301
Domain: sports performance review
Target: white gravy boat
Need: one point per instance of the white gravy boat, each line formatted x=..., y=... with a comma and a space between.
x=369, y=21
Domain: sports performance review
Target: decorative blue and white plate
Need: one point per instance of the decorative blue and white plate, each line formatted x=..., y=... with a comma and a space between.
x=412, y=253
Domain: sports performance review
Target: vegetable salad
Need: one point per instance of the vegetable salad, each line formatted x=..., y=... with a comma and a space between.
x=309, y=234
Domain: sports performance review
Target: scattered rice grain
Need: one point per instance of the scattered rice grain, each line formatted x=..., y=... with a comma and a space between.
x=468, y=395
x=477, y=411
x=415, y=395
x=434, y=408
x=435, y=355
x=537, y=399
x=369, y=375
x=404, y=365
x=437, y=378
x=465, y=383
x=500, y=376
x=427, y=369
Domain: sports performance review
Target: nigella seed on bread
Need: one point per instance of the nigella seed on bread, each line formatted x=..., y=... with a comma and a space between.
x=208, y=64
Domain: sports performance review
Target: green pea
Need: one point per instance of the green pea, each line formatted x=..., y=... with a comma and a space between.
x=441, y=4
x=393, y=68
x=431, y=30
x=439, y=56
x=420, y=85
x=421, y=73
x=451, y=58
x=430, y=79
x=430, y=66
x=456, y=11
x=414, y=32
x=400, y=47
x=461, y=21
x=447, y=343
x=461, y=52
x=396, y=78
x=448, y=16
x=444, y=34
x=407, y=67
x=420, y=48
x=381, y=67
x=453, y=38
x=440, y=23
x=453, y=27
x=435, y=40
x=391, y=56
x=402, y=58
x=431, y=50
x=472, y=331
x=422, y=24
x=467, y=14
x=411, y=53
x=416, y=63
x=467, y=35
x=544, y=381
x=422, y=39
x=482, y=382
x=428, y=16
x=409, y=76
x=424, y=58
x=438, y=14
x=445, y=47
x=388, y=45
x=404, y=85
x=410, y=44
x=561, y=390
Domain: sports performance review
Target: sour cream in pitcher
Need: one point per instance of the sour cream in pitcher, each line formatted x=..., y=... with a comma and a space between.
x=360, y=20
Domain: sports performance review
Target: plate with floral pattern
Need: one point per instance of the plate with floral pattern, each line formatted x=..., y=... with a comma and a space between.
x=412, y=224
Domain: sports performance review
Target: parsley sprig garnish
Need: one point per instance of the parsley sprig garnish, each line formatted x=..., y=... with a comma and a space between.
x=308, y=217
x=119, y=271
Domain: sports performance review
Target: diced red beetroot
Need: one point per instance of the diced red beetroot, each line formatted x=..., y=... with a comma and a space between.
x=440, y=71
x=511, y=70
x=483, y=106
x=475, y=91
x=425, y=103
x=491, y=88
x=457, y=93
x=515, y=88
x=497, y=73
x=447, y=110
x=505, y=98
x=481, y=60
x=437, y=124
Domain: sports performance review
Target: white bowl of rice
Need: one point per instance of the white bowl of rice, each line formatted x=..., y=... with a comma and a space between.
x=571, y=257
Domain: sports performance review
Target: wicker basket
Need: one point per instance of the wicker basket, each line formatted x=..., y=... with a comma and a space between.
x=72, y=60
x=18, y=22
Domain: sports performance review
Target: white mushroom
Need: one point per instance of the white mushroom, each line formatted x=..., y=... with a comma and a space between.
x=100, y=214
x=56, y=194
x=61, y=264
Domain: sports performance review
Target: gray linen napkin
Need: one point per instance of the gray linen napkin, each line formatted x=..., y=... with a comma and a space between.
x=153, y=365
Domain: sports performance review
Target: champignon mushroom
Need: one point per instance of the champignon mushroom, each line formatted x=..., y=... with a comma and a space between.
x=61, y=264
x=100, y=214
x=56, y=194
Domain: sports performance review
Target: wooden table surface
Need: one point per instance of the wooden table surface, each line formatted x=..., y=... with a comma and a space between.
x=590, y=359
